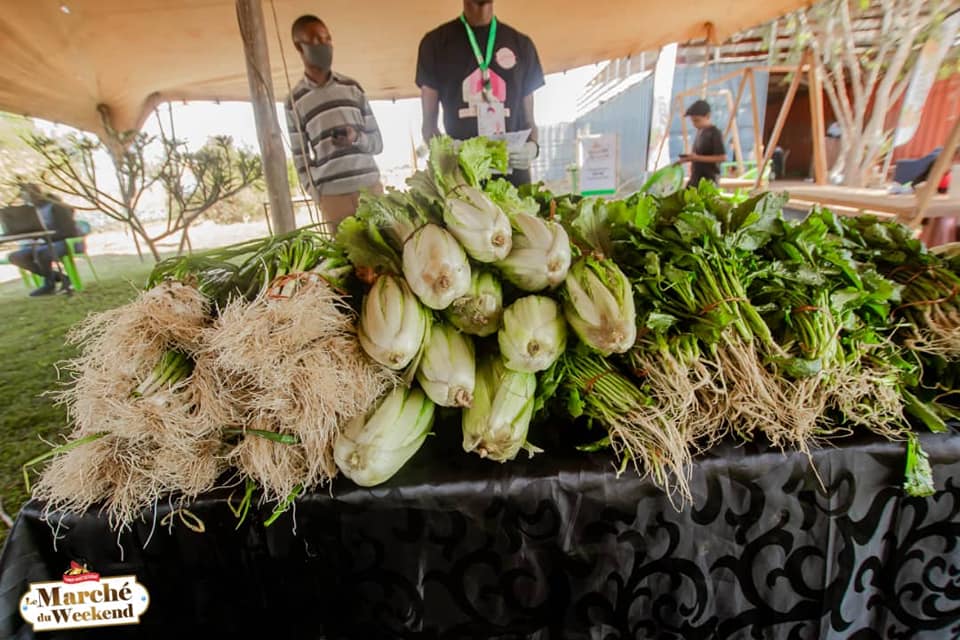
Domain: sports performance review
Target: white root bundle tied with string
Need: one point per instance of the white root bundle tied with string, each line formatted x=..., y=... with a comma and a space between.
x=291, y=372
x=138, y=433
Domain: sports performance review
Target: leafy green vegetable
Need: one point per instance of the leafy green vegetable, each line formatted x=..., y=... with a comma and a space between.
x=918, y=474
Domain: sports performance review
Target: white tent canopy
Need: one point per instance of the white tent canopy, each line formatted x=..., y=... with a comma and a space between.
x=63, y=58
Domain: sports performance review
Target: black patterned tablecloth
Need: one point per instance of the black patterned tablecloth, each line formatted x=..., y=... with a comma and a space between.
x=555, y=547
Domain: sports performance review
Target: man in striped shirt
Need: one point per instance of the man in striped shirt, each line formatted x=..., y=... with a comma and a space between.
x=333, y=132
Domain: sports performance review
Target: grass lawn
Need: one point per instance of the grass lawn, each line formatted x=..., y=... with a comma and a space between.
x=32, y=334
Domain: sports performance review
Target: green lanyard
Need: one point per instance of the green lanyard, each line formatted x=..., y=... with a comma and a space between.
x=482, y=62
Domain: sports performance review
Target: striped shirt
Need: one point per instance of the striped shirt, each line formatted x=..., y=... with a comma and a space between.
x=313, y=113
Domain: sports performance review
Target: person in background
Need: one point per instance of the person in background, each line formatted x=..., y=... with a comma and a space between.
x=484, y=73
x=333, y=132
x=35, y=256
x=708, y=149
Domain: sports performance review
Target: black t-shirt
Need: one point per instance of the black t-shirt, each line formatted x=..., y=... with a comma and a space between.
x=447, y=63
x=709, y=142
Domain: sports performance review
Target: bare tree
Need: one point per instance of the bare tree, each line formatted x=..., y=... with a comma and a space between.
x=864, y=50
x=193, y=181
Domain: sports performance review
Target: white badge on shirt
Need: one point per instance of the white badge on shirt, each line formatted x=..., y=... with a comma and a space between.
x=491, y=119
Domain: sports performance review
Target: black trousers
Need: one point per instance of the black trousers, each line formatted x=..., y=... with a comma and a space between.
x=37, y=259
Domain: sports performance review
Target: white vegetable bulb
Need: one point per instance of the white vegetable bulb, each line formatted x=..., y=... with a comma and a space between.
x=541, y=255
x=372, y=448
x=436, y=267
x=393, y=323
x=599, y=306
x=447, y=371
x=533, y=335
x=479, y=224
x=478, y=313
x=496, y=426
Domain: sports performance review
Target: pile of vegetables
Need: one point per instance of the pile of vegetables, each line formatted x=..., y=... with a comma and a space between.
x=661, y=323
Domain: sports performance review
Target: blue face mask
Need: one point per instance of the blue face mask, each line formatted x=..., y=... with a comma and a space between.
x=318, y=55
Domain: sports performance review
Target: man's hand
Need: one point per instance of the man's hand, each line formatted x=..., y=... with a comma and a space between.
x=521, y=158
x=345, y=136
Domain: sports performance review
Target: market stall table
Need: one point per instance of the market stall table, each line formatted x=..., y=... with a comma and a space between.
x=554, y=547
x=904, y=206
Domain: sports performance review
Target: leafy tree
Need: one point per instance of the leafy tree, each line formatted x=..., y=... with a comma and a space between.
x=192, y=181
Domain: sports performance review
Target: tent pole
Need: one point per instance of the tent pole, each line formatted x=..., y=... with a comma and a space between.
x=254, y=36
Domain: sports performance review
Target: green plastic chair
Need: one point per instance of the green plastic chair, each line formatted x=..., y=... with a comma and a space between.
x=69, y=262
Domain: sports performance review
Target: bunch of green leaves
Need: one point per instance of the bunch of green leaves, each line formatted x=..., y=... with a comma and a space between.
x=693, y=261
x=247, y=268
x=822, y=306
x=374, y=237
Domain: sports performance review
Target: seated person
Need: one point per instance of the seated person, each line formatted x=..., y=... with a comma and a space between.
x=34, y=256
x=915, y=171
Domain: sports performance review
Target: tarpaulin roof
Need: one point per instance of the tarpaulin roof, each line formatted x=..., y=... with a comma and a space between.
x=61, y=58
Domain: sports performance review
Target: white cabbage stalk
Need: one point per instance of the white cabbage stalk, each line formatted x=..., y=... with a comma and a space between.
x=599, y=306
x=540, y=257
x=448, y=369
x=478, y=313
x=435, y=266
x=479, y=224
x=393, y=324
x=372, y=448
x=533, y=335
x=496, y=425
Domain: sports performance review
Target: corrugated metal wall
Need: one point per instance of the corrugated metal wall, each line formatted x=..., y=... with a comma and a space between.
x=939, y=114
x=628, y=115
x=558, y=150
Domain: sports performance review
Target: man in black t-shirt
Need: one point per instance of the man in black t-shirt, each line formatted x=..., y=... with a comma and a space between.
x=475, y=64
x=708, y=149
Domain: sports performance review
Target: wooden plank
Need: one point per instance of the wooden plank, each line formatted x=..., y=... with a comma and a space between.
x=666, y=136
x=721, y=79
x=736, y=103
x=904, y=206
x=737, y=149
x=818, y=127
x=755, y=109
x=683, y=126
x=781, y=119
x=254, y=36
x=937, y=171
x=781, y=68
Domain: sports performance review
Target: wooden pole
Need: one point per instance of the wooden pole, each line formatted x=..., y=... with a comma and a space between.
x=781, y=120
x=817, y=126
x=720, y=80
x=735, y=108
x=737, y=149
x=937, y=171
x=683, y=127
x=666, y=135
x=755, y=110
x=254, y=36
